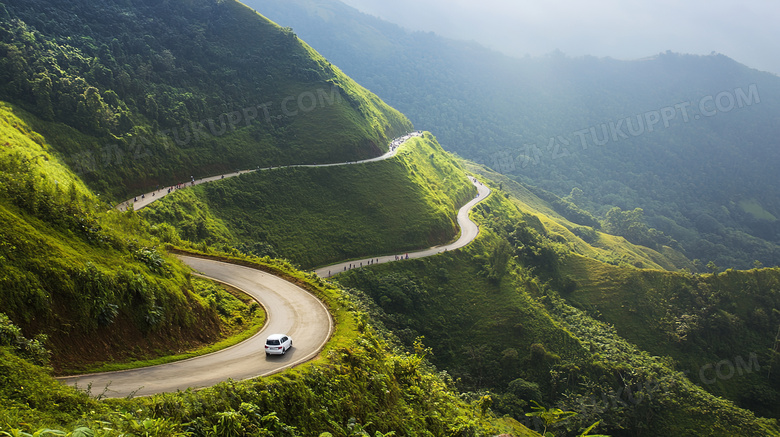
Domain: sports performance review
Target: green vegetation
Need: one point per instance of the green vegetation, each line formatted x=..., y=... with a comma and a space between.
x=241, y=317
x=315, y=216
x=545, y=319
x=360, y=384
x=135, y=97
x=720, y=329
x=566, y=224
x=754, y=208
x=561, y=123
x=97, y=284
x=94, y=282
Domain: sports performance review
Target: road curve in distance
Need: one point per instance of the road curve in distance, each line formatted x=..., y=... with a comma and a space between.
x=144, y=200
x=290, y=309
x=468, y=232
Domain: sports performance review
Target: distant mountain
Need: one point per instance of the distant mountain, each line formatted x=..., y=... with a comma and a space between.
x=691, y=140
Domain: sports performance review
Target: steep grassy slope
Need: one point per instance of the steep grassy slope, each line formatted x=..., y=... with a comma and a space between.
x=93, y=281
x=501, y=315
x=315, y=216
x=631, y=134
x=159, y=92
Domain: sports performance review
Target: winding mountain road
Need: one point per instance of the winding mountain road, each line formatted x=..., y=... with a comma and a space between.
x=468, y=232
x=291, y=310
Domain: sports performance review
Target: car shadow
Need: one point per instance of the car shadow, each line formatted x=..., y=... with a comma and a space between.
x=282, y=358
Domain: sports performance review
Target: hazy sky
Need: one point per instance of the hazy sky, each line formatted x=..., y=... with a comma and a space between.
x=745, y=30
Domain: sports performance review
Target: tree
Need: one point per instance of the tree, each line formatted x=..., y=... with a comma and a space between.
x=575, y=196
x=42, y=87
x=496, y=263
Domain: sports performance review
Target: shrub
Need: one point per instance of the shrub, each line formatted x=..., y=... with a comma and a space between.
x=33, y=350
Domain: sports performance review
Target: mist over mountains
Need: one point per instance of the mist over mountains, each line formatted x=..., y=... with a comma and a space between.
x=698, y=159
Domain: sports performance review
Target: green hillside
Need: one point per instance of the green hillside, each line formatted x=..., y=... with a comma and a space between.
x=94, y=282
x=580, y=231
x=153, y=93
x=91, y=283
x=316, y=216
x=361, y=384
x=712, y=325
x=520, y=314
x=643, y=134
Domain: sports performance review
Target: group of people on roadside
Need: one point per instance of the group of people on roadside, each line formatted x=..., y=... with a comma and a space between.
x=359, y=264
x=372, y=261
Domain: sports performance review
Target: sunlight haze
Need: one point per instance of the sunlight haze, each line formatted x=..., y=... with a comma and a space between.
x=745, y=31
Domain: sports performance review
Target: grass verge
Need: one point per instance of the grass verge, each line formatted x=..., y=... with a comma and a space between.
x=252, y=320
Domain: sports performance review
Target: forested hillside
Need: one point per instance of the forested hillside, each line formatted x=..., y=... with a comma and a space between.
x=142, y=94
x=94, y=87
x=691, y=140
x=94, y=284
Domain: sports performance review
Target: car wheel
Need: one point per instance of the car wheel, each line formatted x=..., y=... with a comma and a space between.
x=284, y=351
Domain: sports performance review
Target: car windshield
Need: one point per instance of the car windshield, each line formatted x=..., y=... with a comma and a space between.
x=273, y=342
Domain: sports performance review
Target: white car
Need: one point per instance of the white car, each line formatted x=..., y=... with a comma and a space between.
x=277, y=344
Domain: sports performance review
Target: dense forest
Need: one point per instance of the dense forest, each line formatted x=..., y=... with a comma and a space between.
x=689, y=140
